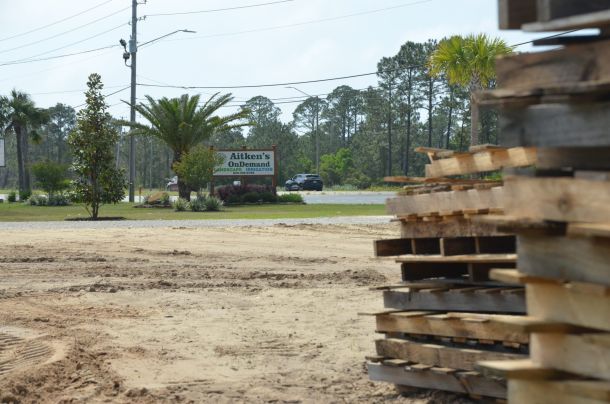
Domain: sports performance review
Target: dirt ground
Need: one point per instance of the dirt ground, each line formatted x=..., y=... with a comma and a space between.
x=250, y=314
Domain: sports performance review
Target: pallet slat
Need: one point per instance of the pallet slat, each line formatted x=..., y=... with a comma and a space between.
x=465, y=382
x=456, y=300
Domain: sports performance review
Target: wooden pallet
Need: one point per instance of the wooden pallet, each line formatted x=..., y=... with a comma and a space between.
x=465, y=326
x=446, y=202
x=559, y=199
x=556, y=301
x=438, y=355
x=565, y=391
x=468, y=299
x=451, y=227
x=477, y=159
x=445, y=246
x=430, y=377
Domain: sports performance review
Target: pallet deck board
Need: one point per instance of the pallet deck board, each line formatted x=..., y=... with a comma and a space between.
x=558, y=391
x=454, y=227
x=560, y=199
x=456, y=300
x=581, y=259
x=490, y=159
x=428, y=378
x=582, y=354
x=438, y=355
x=459, y=325
x=446, y=201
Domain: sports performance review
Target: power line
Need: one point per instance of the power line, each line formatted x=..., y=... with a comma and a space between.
x=18, y=62
x=340, y=17
x=73, y=43
x=546, y=37
x=106, y=95
x=62, y=33
x=55, y=22
x=73, y=91
x=219, y=9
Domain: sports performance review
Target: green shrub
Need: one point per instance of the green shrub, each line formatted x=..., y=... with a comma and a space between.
x=51, y=177
x=213, y=204
x=59, y=200
x=38, y=200
x=290, y=198
x=24, y=195
x=181, y=205
x=12, y=196
x=251, y=197
x=268, y=197
x=233, y=200
x=197, y=205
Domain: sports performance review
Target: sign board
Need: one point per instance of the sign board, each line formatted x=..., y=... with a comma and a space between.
x=2, y=163
x=246, y=163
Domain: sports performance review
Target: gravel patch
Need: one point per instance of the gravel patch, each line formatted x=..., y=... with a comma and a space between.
x=128, y=224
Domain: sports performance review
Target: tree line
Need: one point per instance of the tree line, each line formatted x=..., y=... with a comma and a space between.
x=350, y=136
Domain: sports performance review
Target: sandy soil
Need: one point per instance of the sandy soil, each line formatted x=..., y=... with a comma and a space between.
x=252, y=314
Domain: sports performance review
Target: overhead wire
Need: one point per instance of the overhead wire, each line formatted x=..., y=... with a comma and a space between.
x=55, y=22
x=63, y=33
x=219, y=9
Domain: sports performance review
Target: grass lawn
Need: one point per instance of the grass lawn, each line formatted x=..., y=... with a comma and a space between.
x=18, y=212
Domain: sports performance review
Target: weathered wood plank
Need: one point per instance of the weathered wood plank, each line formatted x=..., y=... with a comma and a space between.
x=584, y=158
x=464, y=382
x=557, y=125
x=597, y=19
x=461, y=325
x=589, y=229
x=586, y=62
x=455, y=300
x=514, y=13
x=438, y=355
x=456, y=227
x=391, y=247
x=558, y=391
x=547, y=10
x=517, y=369
x=582, y=354
x=446, y=201
x=571, y=303
x=581, y=259
x=468, y=259
x=561, y=199
x=481, y=161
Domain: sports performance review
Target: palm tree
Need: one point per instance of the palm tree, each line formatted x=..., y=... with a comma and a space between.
x=182, y=124
x=469, y=61
x=23, y=119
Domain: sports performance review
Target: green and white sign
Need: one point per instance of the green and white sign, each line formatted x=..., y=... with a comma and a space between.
x=2, y=164
x=246, y=162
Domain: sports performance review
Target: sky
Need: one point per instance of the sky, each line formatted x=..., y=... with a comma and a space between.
x=277, y=42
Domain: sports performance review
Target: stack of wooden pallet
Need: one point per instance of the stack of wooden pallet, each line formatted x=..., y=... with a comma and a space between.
x=558, y=101
x=445, y=315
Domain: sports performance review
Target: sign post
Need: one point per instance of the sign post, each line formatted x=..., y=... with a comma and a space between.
x=2, y=162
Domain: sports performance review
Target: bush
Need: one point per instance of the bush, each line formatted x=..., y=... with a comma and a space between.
x=51, y=177
x=38, y=200
x=213, y=204
x=59, y=200
x=181, y=205
x=12, y=196
x=290, y=198
x=235, y=194
x=268, y=197
x=197, y=205
x=24, y=195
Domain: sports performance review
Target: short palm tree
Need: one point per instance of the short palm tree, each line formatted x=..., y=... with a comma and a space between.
x=23, y=119
x=182, y=124
x=469, y=61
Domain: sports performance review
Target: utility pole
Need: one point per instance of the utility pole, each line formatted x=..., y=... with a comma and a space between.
x=133, y=49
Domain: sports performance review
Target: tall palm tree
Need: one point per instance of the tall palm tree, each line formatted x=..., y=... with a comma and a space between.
x=469, y=61
x=23, y=119
x=182, y=124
